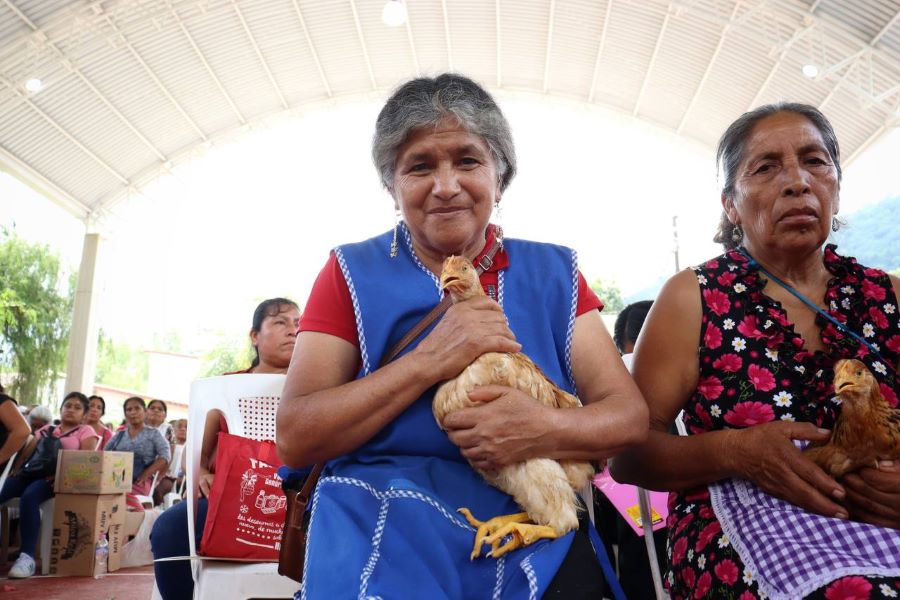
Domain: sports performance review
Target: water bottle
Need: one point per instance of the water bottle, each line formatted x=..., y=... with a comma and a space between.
x=100, y=557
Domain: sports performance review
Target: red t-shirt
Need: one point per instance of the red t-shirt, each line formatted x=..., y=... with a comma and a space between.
x=330, y=308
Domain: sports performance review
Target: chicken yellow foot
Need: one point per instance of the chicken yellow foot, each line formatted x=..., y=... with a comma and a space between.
x=520, y=532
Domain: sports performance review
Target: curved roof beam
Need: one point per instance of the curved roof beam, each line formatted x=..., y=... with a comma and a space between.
x=162, y=88
x=659, y=39
x=259, y=55
x=362, y=43
x=206, y=65
x=72, y=68
x=312, y=49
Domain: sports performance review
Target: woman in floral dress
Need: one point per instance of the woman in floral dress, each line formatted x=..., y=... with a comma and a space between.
x=751, y=365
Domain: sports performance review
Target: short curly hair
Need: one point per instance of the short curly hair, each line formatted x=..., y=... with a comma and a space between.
x=424, y=102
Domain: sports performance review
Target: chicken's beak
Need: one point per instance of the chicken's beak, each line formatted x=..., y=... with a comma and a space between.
x=449, y=282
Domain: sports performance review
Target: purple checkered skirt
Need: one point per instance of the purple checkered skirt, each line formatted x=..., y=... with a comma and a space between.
x=791, y=552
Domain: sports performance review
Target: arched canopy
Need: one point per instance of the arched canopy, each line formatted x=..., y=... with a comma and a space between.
x=129, y=87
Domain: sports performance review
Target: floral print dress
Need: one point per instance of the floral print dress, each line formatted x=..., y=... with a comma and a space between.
x=754, y=368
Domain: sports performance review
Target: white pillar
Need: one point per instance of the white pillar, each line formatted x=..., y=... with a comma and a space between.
x=82, y=359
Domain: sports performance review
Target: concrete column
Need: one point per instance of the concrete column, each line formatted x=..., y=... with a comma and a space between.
x=82, y=359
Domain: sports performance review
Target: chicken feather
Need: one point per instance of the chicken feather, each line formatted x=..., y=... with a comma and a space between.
x=543, y=487
x=867, y=430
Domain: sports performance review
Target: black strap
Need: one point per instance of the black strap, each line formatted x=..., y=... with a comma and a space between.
x=484, y=263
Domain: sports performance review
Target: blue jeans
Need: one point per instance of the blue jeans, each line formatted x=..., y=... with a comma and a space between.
x=169, y=537
x=31, y=493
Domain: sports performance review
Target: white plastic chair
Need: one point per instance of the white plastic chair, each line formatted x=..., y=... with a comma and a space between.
x=249, y=403
x=12, y=504
x=147, y=501
x=175, y=467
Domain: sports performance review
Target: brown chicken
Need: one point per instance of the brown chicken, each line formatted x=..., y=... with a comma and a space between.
x=867, y=429
x=543, y=487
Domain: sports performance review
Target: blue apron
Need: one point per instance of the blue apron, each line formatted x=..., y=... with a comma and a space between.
x=384, y=521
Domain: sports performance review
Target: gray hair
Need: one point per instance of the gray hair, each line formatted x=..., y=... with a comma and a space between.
x=730, y=151
x=40, y=412
x=424, y=102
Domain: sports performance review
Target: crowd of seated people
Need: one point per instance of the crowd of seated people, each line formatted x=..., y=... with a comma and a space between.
x=758, y=382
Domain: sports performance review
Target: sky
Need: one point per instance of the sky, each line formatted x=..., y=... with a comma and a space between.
x=255, y=217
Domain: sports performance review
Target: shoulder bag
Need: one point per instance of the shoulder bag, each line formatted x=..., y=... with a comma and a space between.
x=42, y=462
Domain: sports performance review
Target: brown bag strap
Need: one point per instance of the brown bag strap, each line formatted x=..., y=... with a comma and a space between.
x=484, y=263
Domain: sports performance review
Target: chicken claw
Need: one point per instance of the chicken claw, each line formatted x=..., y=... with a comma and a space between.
x=495, y=530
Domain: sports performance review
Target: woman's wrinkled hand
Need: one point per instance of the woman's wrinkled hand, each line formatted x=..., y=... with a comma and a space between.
x=873, y=495
x=467, y=330
x=205, y=481
x=766, y=455
x=507, y=428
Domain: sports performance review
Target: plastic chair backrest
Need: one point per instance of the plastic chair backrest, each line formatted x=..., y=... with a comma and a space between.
x=177, y=459
x=249, y=403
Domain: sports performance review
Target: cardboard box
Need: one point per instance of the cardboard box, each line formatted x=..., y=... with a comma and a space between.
x=93, y=472
x=78, y=521
x=133, y=520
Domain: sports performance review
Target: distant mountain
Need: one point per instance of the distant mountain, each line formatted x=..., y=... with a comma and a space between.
x=872, y=235
x=648, y=293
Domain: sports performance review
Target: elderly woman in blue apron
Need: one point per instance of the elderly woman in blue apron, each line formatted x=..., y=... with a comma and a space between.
x=384, y=521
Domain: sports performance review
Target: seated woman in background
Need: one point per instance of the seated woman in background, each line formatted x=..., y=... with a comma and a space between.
x=157, y=411
x=761, y=378
x=14, y=429
x=179, y=429
x=38, y=417
x=272, y=334
x=151, y=452
x=96, y=410
x=34, y=489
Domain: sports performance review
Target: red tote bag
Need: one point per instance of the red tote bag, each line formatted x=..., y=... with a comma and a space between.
x=246, y=503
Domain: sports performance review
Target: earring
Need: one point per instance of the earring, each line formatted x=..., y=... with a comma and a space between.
x=498, y=213
x=394, y=245
x=737, y=234
x=835, y=224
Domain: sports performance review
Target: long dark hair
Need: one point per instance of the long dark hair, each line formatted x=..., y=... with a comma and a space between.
x=138, y=399
x=730, y=152
x=268, y=308
x=78, y=396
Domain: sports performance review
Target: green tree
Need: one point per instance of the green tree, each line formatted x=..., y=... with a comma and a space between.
x=231, y=353
x=119, y=365
x=36, y=298
x=609, y=294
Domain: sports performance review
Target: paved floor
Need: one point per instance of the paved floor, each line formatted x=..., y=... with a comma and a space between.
x=135, y=583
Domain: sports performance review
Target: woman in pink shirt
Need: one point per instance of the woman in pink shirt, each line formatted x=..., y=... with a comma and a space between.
x=96, y=409
x=34, y=490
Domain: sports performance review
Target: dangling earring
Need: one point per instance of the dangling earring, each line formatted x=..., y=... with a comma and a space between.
x=835, y=224
x=394, y=245
x=737, y=234
x=498, y=213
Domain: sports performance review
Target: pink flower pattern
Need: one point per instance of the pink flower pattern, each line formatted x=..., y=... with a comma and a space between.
x=849, y=588
x=746, y=414
x=736, y=389
x=761, y=378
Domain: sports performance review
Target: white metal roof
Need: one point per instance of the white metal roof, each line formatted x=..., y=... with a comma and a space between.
x=132, y=86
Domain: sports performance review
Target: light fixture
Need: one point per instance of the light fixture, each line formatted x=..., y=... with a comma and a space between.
x=34, y=85
x=810, y=70
x=394, y=13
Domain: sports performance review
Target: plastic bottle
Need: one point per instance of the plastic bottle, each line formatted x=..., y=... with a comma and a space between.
x=100, y=557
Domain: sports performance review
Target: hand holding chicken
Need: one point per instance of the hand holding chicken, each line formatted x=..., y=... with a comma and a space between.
x=868, y=429
x=543, y=487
